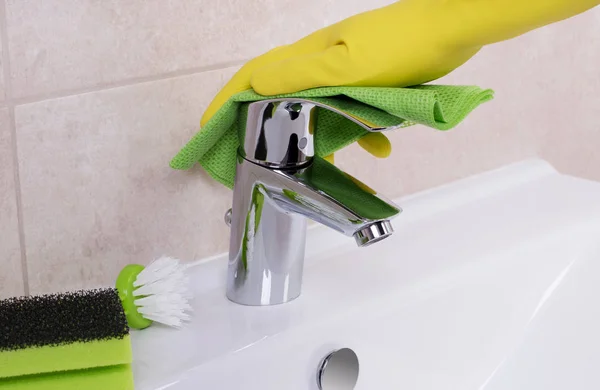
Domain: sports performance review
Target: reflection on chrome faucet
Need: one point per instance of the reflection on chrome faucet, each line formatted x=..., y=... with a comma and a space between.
x=279, y=183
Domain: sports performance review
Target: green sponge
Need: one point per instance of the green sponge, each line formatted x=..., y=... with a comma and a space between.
x=102, y=378
x=66, y=341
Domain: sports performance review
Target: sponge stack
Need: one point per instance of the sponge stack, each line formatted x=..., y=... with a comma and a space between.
x=66, y=341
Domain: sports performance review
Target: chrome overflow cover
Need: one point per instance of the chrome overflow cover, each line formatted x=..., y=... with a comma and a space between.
x=338, y=371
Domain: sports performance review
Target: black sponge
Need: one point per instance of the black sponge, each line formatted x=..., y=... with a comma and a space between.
x=58, y=319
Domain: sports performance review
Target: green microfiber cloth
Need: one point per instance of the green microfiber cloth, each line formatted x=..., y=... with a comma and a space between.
x=438, y=106
x=65, y=341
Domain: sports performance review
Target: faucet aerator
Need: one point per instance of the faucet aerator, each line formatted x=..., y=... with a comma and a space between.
x=373, y=233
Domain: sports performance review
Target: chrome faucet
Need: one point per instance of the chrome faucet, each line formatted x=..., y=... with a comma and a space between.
x=280, y=181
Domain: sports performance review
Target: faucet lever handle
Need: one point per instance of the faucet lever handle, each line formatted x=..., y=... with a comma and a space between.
x=345, y=110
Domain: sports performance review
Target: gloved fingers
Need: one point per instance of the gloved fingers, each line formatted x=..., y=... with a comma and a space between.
x=376, y=144
x=241, y=80
x=238, y=83
x=329, y=67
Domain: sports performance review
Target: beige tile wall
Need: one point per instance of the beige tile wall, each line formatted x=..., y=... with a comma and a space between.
x=103, y=93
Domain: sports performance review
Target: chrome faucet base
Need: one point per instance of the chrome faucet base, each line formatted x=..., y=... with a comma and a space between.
x=266, y=268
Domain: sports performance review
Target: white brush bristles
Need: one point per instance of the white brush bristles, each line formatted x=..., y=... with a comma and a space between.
x=162, y=292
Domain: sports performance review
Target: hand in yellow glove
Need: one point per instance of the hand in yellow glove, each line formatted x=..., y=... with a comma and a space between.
x=407, y=43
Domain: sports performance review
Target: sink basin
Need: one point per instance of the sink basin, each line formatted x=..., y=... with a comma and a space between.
x=491, y=282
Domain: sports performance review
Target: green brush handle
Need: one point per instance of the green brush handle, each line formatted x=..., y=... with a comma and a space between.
x=125, y=287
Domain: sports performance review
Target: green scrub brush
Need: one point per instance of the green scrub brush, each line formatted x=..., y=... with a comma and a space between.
x=69, y=341
x=156, y=293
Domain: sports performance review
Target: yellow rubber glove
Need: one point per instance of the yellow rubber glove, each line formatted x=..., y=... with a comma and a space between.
x=407, y=43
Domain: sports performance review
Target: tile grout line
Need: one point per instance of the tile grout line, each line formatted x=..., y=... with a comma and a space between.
x=18, y=196
x=121, y=83
x=13, y=131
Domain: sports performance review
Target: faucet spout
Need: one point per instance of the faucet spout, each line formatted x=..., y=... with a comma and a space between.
x=279, y=184
x=327, y=195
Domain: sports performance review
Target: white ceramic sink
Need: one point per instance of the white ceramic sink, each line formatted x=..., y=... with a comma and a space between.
x=492, y=282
